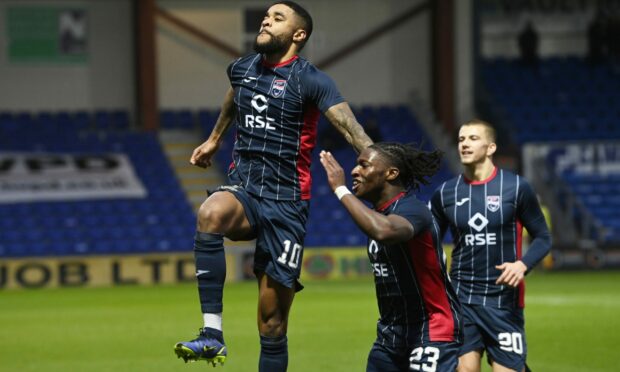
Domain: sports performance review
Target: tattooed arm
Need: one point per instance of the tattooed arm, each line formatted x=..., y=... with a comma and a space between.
x=202, y=154
x=341, y=116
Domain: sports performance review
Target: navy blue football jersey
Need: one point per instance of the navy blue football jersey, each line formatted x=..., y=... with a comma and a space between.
x=486, y=219
x=278, y=108
x=413, y=290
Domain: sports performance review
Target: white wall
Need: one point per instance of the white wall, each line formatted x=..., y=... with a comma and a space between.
x=384, y=72
x=192, y=75
x=559, y=34
x=105, y=81
x=562, y=25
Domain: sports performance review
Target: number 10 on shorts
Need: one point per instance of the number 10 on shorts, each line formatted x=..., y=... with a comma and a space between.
x=290, y=257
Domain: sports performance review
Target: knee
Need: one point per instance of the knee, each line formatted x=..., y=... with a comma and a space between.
x=272, y=327
x=211, y=217
x=467, y=367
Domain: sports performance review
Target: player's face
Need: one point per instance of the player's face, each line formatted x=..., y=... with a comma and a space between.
x=369, y=175
x=276, y=31
x=475, y=145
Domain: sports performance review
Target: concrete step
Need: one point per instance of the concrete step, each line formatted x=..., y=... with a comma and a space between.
x=178, y=146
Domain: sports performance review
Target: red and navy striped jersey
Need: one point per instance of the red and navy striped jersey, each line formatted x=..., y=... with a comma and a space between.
x=413, y=290
x=278, y=108
x=486, y=219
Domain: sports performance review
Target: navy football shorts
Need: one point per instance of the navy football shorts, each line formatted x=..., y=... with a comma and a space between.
x=501, y=332
x=280, y=228
x=430, y=356
x=402, y=348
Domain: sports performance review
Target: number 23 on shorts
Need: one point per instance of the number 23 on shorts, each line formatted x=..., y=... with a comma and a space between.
x=424, y=359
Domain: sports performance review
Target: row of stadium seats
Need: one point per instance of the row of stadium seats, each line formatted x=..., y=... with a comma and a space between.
x=111, y=120
x=564, y=99
x=601, y=196
x=163, y=220
x=103, y=120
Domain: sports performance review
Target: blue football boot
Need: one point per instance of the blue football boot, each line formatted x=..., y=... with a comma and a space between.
x=209, y=346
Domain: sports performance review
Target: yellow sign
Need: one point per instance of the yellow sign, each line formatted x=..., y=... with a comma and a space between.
x=340, y=263
x=91, y=271
x=325, y=263
x=150, y=269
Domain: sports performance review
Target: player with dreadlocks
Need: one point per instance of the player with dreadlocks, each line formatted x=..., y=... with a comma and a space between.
x=419, y=326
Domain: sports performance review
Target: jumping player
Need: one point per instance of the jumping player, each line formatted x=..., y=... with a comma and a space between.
x=419, y=326
x=274, y=102
x=486, y=209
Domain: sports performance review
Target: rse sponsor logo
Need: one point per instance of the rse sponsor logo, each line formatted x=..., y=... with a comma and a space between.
x=259, y=103
x=478, y=222
x=480, y=239
x=373, y=249
x=380, y=269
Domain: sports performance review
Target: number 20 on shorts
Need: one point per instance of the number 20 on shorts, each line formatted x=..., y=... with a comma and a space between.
x=511, y=342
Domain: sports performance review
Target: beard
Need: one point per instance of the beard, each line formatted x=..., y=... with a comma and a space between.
x=276, y=44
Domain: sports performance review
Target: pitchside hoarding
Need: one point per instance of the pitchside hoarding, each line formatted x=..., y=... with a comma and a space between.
x=169, y=268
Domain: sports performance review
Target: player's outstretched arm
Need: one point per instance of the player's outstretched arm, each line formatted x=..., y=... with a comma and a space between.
x=202, y=154
x=385, y=229
x=341, y=116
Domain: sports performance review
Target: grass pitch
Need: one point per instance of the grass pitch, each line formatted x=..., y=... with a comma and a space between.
x=572, y=321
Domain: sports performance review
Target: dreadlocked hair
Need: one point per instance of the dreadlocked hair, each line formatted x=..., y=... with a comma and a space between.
x=415, y=165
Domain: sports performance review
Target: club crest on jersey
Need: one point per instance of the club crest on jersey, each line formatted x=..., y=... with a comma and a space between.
x=493, y=203
x=278, y=87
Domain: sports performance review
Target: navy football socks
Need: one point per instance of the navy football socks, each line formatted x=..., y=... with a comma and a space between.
x=210, y=270
x=273, y=354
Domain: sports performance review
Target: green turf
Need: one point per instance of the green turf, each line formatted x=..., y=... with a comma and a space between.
x=572, y=324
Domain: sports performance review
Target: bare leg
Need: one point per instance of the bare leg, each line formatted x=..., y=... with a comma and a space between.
x=222, y=213
x=500, y=368
x=470, y=362
x=274, y=304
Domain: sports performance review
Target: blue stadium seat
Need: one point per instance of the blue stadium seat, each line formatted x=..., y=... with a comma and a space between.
x=164, y=221
x=93, y=226
x=569, y=94
x=177, y=119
